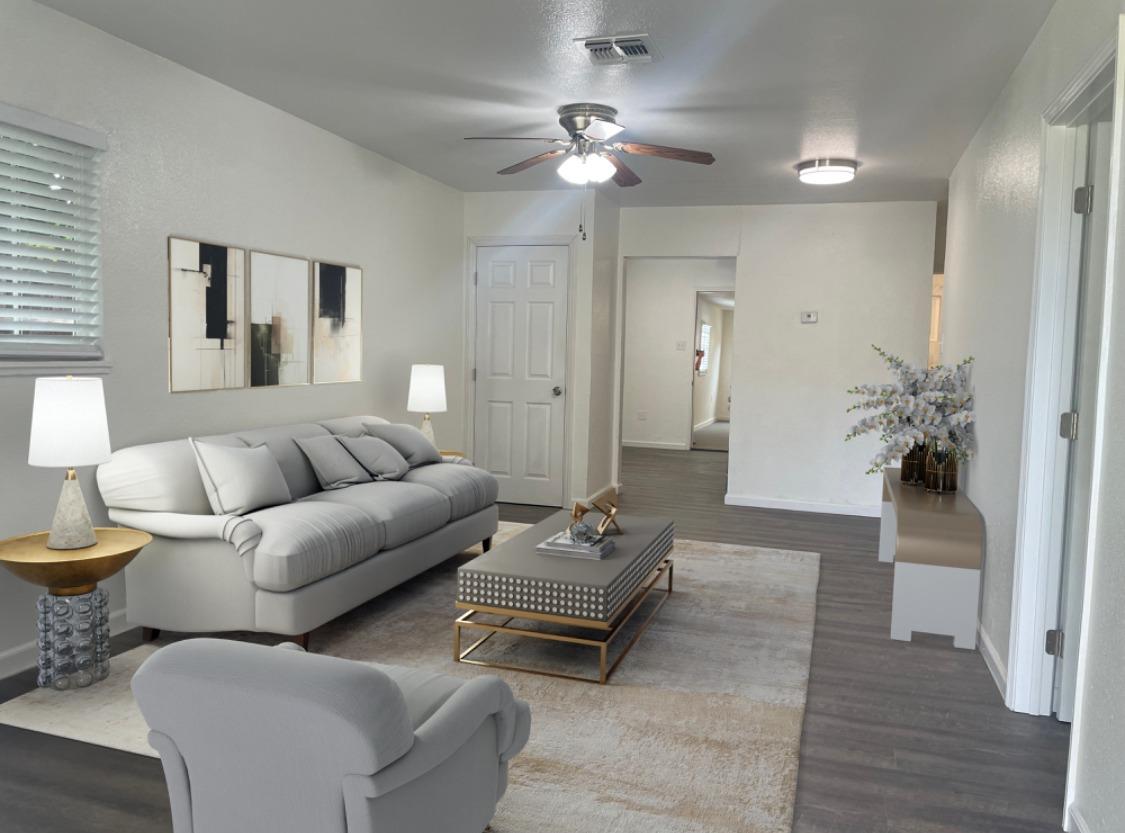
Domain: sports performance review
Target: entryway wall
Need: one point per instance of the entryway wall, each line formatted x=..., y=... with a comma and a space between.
x=659, y=345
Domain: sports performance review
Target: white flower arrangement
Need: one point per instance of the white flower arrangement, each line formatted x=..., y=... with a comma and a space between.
x=926, y=406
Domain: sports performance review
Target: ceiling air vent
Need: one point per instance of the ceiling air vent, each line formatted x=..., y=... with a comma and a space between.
x=620, y=49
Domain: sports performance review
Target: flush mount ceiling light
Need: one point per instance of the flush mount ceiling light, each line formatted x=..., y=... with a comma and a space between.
x=580, y=169
x=827, y=171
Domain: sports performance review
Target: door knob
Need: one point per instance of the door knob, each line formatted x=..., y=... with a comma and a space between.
x=556, y=391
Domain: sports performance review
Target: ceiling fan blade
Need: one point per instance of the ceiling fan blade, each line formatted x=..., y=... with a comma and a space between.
x=602, y=130
x=700, y=157
x=517, y=139
x=535, y=160
x=626, y=177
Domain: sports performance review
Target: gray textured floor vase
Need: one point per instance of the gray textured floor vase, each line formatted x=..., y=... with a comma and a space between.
x=697, y=732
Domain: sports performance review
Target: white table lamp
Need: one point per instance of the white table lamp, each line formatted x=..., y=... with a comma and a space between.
x=68, y=429
x=427, y=394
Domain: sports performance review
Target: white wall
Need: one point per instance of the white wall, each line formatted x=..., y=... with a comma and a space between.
x=866, y=268
x=192, y=157
x=504, y=216
x=705, y=388
x=726, y=351
x=660, y=300
x=990, y=256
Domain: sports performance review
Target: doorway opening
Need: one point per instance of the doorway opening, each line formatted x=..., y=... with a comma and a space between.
x=714, y=355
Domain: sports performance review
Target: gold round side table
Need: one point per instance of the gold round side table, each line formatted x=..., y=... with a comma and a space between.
x=73, y=615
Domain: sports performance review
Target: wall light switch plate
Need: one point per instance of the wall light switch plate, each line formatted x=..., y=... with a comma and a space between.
x=681, y=345
x=809, y=317
x=642, y=416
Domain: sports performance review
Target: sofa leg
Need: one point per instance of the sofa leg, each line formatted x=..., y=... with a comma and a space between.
x=150, y=634
x=486, y=544
x=302, y=639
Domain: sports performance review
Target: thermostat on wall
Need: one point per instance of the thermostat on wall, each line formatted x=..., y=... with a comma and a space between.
x=809, y=317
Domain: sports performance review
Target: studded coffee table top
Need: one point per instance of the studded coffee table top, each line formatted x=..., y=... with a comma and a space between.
x=514, y=577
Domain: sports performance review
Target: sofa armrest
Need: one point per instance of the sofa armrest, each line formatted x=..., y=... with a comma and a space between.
x=455, y=457
x=450, y=728
x=243, y=533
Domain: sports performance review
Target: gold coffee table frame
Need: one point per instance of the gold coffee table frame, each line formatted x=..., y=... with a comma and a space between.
x=608, y=630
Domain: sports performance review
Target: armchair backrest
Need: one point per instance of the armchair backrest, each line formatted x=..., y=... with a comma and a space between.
x=260, y=739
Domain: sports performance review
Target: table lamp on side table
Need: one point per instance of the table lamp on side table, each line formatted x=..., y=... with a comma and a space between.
x=68, y=429
x=427, y=394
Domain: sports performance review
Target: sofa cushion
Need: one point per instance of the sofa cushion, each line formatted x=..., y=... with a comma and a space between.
x=407, y=440
x=239, y=480
x=404, y=511
x=352, y=426
x=309, y=540
x=377, y=456
x=294, y=464
x=424, y=691
x=468, y=488
x=335, y=468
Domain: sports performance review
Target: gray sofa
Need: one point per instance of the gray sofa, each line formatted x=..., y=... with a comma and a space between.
x=284, y=569
x=267, y=739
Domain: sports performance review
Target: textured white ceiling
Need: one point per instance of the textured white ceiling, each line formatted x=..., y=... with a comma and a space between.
x=899, y=84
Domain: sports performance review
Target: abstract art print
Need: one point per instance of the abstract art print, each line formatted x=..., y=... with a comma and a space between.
x=279, y=320
x=206, y=315
x=337, y=323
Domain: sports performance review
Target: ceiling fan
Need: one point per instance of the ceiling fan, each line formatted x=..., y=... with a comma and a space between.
x=590, y=153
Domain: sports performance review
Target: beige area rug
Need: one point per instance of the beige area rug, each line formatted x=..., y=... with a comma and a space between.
x=698, y=730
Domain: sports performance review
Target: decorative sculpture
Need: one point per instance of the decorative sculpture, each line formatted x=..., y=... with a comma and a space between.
x=607, y=505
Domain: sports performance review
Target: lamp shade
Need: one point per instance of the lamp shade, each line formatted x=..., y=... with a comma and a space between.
x=68, y=424
x=427, y=389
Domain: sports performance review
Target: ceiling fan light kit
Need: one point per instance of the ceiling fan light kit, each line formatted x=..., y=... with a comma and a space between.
x=589, y=154
x=827, y=171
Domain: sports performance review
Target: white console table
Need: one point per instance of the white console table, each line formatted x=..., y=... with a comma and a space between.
x=937, y=545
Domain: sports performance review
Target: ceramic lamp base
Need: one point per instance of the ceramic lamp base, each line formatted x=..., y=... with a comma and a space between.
x=71, y=529
x=427, y=428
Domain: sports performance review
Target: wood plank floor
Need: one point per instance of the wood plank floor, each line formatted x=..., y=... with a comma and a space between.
x=898, y=738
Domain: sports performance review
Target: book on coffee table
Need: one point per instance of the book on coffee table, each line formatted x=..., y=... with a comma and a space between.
x=561, y=544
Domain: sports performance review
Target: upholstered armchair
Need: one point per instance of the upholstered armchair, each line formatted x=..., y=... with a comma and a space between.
x=254, y=738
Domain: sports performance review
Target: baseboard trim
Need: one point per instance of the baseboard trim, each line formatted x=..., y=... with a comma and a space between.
x=22, y=657
x=639, y=444
x=996, y=666
x=704, y=424
x=1078, y=821
x=872, y=511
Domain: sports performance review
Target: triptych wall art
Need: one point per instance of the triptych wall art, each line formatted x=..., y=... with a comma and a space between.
x=266, y=320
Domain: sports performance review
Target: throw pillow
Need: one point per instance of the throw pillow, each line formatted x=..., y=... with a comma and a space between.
x=408, y=441
x=335, y=468
x=240, y=480
x=377, y=456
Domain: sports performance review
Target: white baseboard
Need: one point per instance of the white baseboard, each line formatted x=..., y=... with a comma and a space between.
x=1078, y=821
x=639, y=444
x=704, y=424
x=872, y=511
x=996, y=666
x=21, y=657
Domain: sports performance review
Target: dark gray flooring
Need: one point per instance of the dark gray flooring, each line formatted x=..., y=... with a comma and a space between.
x=898, y=738
x=714, y=437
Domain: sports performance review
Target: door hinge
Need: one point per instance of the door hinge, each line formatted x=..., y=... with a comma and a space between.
x=1084, y=199
x=1068, y=425
x=475, y=277
x=474, y=374
x=1054, y=643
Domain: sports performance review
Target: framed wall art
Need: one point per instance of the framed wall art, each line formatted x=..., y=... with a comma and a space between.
x=337, y=323
x=279, y=320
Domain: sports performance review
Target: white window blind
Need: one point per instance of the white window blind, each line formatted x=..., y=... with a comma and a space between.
x=704, y=347
x=50, y=297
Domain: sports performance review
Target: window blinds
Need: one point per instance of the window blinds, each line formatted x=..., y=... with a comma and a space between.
x=50, y=299
x=705, y=347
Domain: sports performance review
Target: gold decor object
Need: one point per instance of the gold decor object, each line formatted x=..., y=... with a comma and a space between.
x=914, y=465
x=607, y=505
x=71, y=572
x=941, y=471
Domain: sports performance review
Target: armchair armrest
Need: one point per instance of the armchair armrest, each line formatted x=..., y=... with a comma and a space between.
x=243, y=533
x=447, y=730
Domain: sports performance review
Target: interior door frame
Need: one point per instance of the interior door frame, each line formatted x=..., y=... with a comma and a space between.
x=691, y=353
x=469, y=351
x=1036, y=585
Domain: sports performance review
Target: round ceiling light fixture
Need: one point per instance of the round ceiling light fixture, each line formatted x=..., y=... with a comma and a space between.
x=827, y=171
x=580, y=169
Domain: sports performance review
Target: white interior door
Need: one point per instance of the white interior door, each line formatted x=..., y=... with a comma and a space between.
x=1080, y=464
x=521, y=325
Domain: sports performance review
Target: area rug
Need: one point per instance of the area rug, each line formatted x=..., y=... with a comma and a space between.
x=698, y=731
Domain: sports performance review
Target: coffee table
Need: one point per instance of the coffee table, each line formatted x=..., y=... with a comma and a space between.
x=573, y=600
